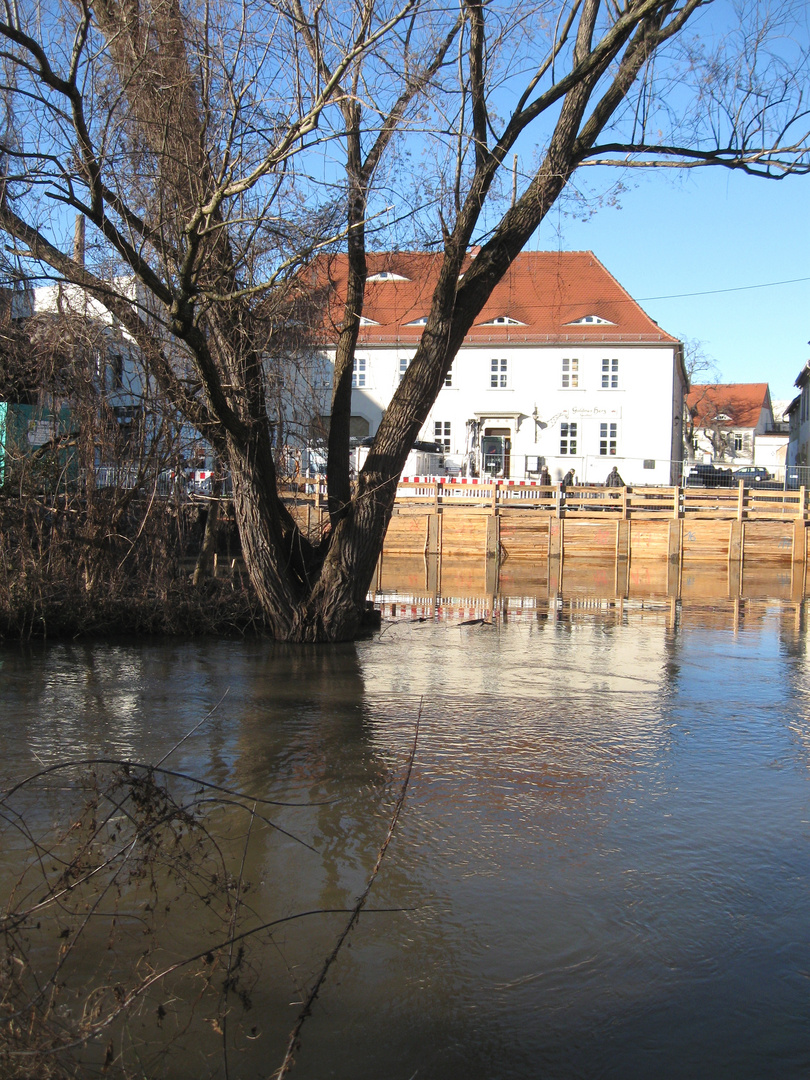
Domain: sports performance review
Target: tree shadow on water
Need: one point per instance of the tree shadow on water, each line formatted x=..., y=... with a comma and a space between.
x=154, y=923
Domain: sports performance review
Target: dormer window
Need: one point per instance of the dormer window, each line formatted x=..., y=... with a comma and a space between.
x=386, y=275
x=421, y=321
x=364, y=321
x=503, y=320
x=591, y=320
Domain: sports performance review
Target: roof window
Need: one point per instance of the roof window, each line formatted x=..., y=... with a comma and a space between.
x=591, y=320
x=386, y=275
x=503, y=320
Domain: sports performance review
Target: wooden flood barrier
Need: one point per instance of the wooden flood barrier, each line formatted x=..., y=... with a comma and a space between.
x=533, y=522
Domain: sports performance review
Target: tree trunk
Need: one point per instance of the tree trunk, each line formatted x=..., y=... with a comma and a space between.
x=205, y=560
x=309, y=592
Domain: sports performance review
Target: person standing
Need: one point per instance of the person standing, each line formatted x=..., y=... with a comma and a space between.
x=614, y=479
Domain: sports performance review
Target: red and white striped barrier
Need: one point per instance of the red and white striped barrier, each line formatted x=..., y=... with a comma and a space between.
x=466, y=480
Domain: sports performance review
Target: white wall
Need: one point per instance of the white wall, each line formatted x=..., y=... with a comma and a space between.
x=770, y=451
x=534, y=404
x=124, y=383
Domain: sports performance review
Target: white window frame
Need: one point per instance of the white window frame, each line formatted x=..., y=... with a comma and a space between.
x=499, y=373
x=569, y=378
x=610, y=373
x=442, y=433
x=608, y=438
x=360, y=373
x=568, y=438
x=404, y=364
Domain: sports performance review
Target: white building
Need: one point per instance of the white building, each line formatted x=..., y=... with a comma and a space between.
x=562, y=369
x=799, y=417
x=66, y=318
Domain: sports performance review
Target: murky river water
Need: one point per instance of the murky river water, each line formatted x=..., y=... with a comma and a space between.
x=601, y=869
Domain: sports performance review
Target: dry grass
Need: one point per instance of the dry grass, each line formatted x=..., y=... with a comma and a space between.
x=112, y=566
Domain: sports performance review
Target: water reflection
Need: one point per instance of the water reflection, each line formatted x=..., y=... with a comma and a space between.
x=638, y=579
x=472, y=589
x=603, y=864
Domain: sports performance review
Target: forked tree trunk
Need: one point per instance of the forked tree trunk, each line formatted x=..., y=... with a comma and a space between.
x=308, y=592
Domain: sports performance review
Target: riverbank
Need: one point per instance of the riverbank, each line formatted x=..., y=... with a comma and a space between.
x=54, y=610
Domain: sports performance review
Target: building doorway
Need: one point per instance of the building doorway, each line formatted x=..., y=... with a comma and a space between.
x=496, y=451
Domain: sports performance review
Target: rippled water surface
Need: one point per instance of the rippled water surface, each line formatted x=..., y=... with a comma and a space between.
x=602, y=865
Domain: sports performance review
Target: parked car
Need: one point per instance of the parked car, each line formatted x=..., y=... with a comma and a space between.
x=794, y=477
x=752, y=474
x=709, y=476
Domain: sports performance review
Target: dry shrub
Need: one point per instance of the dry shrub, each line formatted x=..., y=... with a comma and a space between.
x=111, y=563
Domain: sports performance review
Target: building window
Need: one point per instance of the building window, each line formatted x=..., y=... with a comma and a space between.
x=441, y=434
x=403, y=366
x=568, y=438
x=116, y=372
x=570, y=374
x=607, y=440
x=738, y=443
x=359, y=372
x=323, y=373
x=610, y=374
x=498, y=374
x=448, y=379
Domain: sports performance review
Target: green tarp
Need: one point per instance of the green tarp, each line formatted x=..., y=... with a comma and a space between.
x=27, y=434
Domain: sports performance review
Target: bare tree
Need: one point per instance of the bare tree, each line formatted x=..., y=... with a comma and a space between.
x=701, y=369
x=215, y=151
x=726, y=415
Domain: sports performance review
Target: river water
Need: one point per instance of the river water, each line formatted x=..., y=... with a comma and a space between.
x=601, y=868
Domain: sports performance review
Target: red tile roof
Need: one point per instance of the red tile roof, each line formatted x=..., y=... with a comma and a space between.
x=544, y=291
x=742, y=403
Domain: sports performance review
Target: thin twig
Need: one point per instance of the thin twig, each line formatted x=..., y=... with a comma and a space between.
x=234, y=918
x=188, y=734
x=292, y=1043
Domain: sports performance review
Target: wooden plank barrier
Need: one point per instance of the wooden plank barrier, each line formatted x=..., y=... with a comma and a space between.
x=463, y=534
x=768, y=540
x=653, y=502
x=714, y=503
x=589, y=540
x=704, y=540
x=649, y=538
x=407, y=534
x=534, y=522
x=524, y=536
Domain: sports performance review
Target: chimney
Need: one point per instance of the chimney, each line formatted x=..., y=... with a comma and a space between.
x=78, y=240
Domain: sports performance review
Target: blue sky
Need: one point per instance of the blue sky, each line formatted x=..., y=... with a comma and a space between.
x=700, y=232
